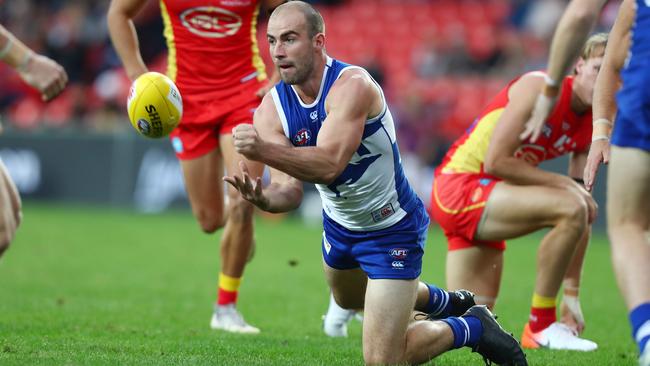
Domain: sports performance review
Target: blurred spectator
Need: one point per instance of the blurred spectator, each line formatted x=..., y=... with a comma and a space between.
x=543, y=16
x=73, y=33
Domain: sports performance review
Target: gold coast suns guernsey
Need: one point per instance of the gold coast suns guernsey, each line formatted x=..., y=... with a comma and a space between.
x=212, y=45
x=564, y=132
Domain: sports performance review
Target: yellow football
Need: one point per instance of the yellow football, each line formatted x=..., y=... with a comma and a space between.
x=155, y=106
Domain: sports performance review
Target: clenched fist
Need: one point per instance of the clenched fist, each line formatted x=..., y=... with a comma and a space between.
x=247, y=141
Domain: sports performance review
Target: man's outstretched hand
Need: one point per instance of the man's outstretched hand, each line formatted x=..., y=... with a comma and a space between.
x=250, y=190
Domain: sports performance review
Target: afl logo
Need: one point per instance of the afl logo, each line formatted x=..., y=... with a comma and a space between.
x=211, y=22
x=302, y=137
x=399, y=253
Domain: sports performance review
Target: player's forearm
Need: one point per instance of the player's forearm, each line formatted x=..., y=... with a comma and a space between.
x=604, y=102
x=571, y=33
x=308, y=164
x=517, y=171
x=125, y=40
x=608, y=81
x=282, y=197
x=13, y=52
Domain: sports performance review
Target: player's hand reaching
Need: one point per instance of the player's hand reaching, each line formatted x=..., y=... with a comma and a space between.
x=598, y=153
x=45, y=75
x=543, y=107
x=250, y=190
x=571, y=314
x=592, y=206
x=247, y=141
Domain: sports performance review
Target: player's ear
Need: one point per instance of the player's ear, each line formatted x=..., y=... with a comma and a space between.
x=319, y=41
x=579, y=65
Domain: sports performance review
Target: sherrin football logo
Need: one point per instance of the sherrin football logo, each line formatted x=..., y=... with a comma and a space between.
x=143, y=126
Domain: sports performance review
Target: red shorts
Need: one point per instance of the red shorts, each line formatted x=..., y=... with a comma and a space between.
x=205, y=119
x=457, y=203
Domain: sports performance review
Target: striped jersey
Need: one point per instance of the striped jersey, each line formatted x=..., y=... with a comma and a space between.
x=372, y=192
x=212, y=44
x=564, y=132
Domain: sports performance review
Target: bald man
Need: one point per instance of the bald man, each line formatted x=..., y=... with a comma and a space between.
x=327, y=122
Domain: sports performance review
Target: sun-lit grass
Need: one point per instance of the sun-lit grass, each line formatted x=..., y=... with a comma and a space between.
x=93, y=286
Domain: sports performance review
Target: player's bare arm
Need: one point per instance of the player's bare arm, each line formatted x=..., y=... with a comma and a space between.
x=40, y=72
x=500, y=159
x=284, y=193
x=607, y=84
x=572, y=31
x=124, y=36
x=348, y=105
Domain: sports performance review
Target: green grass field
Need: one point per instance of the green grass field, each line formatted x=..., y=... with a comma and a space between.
x=86, y=286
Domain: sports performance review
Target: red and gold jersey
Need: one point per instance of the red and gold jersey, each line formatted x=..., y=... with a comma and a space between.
x=564, y=132
x=212, y=45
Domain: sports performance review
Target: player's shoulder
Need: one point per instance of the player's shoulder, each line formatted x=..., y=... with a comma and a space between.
x=532, y=78
x=354, y=83
x=354, y=77
x=527, y=85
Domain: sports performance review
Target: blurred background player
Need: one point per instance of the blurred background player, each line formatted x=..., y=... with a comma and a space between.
x=571, y=33
x=49, y=78
x=489, y=189
x=628, y=179
x=327, y=123
x=214, y=59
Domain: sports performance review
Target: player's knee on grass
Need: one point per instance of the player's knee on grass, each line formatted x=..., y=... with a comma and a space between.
x=380, y=358
x=379, y=353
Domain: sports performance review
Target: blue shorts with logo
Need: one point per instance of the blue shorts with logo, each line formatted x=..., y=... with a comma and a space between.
x=391, y=253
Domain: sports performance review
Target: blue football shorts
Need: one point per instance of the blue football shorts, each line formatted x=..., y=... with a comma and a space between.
x=391, y=253
x=632, y=128
x=632, y=132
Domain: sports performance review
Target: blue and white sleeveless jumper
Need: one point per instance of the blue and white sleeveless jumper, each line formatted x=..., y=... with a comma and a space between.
x=371, y=217
x=372, y=193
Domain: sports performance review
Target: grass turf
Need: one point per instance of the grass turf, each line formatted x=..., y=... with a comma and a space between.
x=93, y=286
